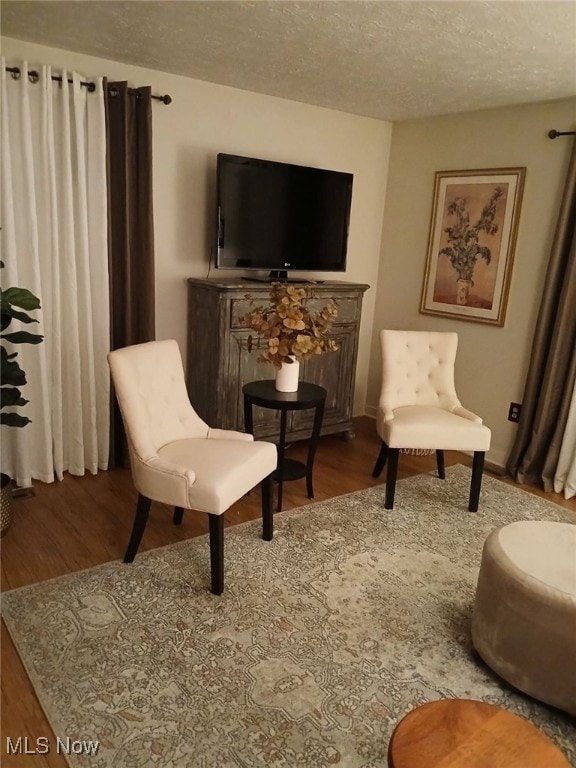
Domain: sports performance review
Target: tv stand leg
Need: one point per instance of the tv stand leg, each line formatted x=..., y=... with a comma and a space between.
x=281, y=275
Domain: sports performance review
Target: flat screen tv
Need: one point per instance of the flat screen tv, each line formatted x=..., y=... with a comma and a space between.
x=279, y=216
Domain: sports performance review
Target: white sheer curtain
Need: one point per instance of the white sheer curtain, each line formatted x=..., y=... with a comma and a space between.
x=565, y=476
x=54, y=241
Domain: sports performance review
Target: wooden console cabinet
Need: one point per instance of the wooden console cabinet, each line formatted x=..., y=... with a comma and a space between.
x=219, y=362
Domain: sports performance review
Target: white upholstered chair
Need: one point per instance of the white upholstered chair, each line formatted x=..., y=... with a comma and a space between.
x=175, y=457
x=419, y=409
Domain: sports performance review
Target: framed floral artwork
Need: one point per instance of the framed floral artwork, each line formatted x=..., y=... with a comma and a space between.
x=471, y=244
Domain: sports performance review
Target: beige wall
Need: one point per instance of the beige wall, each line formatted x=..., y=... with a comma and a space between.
x=205, y=119
x=492, y=361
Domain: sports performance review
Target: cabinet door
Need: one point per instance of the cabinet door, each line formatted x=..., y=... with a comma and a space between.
x=335, y=372
x=244, y=367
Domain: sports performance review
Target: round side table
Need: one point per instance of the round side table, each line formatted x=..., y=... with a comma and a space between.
x=265, y=394
x=463, y=733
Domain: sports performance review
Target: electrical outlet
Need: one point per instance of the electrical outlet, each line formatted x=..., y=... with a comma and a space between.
x=514, y=412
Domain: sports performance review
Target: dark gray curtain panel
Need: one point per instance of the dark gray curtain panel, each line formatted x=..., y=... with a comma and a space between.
x=552, y=372
x=131, y=228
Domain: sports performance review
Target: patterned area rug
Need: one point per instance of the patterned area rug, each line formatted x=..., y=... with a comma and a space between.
x=321, y=642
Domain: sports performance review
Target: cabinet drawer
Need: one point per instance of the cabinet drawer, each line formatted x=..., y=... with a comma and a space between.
x=239, y=307
x=348, y=309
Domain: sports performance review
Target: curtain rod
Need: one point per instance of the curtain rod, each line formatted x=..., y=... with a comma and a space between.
x=554, y=134
x=33, y=76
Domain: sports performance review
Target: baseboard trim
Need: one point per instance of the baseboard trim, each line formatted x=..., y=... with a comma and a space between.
x=495, y=469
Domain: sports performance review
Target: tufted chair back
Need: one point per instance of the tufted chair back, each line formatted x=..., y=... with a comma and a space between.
x=151, y=392
x=417, y=369
x=419, y=409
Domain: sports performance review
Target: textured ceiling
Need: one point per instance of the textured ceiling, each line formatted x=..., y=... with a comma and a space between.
x=384, y=59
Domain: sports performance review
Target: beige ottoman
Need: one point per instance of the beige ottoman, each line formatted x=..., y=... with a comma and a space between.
x=524, y=619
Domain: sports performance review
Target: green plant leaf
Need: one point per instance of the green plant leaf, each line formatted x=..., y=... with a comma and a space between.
x=19, y=297
x=22, y=337
x=11, y=396
x=14, y=314
x=14, y=420
x=12, y=374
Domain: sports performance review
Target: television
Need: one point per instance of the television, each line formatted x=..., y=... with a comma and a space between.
x=278, y=216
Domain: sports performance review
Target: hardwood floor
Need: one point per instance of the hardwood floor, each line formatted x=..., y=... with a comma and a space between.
x=82, y=522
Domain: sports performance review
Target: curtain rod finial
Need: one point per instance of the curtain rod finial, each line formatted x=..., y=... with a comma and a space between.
x=553, y=134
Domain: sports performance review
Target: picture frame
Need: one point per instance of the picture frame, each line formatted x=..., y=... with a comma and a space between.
x=471, y=244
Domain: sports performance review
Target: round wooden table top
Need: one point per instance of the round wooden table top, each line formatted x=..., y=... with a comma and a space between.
x=463, y=733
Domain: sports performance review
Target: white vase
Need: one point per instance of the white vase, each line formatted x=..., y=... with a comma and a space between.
x=287, y=376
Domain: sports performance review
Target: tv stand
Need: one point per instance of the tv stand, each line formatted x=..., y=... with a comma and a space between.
x=223, y=356
x=278, y=275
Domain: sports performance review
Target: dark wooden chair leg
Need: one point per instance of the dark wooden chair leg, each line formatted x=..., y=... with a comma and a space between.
x=267, y=511
x=140, y=520
x=216, y=528
x=380, y=461
x=440, y=464
x=476, y=482
x=178, y=515
x=391, y=474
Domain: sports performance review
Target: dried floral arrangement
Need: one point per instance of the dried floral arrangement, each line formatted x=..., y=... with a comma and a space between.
x=290, y=328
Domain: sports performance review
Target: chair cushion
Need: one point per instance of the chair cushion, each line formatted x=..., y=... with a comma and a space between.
x=223, y=471
x=420, y=426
